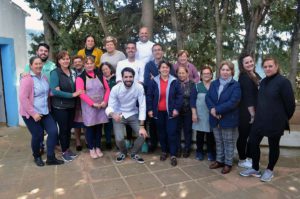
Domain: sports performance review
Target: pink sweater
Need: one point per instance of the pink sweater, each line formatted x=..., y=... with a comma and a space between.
x=26, y=97
x=85, y=97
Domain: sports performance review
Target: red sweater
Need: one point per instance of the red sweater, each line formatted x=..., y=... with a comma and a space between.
x=162, y=104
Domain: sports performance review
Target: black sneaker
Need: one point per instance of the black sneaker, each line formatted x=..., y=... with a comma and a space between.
x=120, y=158
x=39, y=162
x=54, y=161
x=173, y=161
x=137, y=158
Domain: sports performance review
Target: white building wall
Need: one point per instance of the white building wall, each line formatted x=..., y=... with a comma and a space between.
x=12, y=23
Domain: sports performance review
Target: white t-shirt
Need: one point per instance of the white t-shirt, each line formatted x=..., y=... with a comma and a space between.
x=138, y=67
x=144, y=51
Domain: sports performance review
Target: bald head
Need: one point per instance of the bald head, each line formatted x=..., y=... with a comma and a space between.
x=144, y=34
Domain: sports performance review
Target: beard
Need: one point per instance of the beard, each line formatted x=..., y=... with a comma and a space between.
x=128, y=83
x=44, y=58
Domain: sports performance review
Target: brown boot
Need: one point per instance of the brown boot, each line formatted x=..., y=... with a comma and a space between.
x=226, y=169
x=216, y=165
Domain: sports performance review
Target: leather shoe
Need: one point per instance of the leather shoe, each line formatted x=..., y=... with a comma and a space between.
x=54, y=161
x=216, y=165
x=173, y=161
x=226, y=169
x=39, y=162
x=186, y=153
x=163, y=156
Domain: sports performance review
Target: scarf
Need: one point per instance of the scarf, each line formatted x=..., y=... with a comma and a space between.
x=223, y=83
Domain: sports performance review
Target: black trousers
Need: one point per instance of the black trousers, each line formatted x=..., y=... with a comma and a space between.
x=242, y=143
x=210, y=142
x=274, y=150
x=64, y=119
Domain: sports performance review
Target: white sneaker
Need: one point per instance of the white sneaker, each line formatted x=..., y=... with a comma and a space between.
x=99, y=152
x=250, y=172
x=247, y=163
x=267, y=176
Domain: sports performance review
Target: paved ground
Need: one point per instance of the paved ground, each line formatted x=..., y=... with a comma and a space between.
x=85, y=178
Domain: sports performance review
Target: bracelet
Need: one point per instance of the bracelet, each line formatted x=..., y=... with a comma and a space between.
x=142, y=125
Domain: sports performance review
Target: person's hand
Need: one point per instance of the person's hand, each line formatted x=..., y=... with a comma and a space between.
x=151, y=76
x=57, y=88
x=103, y=104
x=77, y=93
x=143, y=132
x=175, y=113
x=194, y=117
x=116, y=117
x=150, y=114
x=214, y=113
x=24, y=74
x=37, y=117
x=251, y=119
x=97, y=105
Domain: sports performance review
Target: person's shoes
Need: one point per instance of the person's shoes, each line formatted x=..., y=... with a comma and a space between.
x=186, y=153
x=211, y=157
x=120, y=158
x=199, y=156
x=179, y=153
x=267, y=176
x=108, y=146
x=93, y=154
x=78, y=148
x=72, y=154
x=163, y=156
x=137, y=158
x=173, y=161
x=216, y=165
x=250, y=172
x=53, y=161
x=247, y=163
x=66, y=157
x=226, y=169
x=99, y=152
x=39, y=162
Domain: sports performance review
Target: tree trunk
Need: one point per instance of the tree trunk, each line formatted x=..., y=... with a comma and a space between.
x=253, y=17
x=295, y=49
x=101, y=15
x=48, y=33
x=147, y=15
x=176, y=26
x=220, y=19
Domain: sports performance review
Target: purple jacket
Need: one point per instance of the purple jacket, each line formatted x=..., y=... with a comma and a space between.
x=193, y=73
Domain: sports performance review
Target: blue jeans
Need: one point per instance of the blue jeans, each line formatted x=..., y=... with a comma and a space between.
x=166, y=128
x=108, y=127
x=37, y=133
x=93, y=136
x=185, y=122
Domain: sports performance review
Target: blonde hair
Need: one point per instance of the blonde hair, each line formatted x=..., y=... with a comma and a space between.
x=229, y=64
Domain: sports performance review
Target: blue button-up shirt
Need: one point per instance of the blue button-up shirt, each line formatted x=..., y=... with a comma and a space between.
x=41, y=91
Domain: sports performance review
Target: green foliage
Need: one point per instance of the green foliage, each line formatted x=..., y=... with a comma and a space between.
x=196, y=18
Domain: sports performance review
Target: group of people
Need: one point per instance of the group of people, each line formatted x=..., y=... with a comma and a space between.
x=154, y=101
